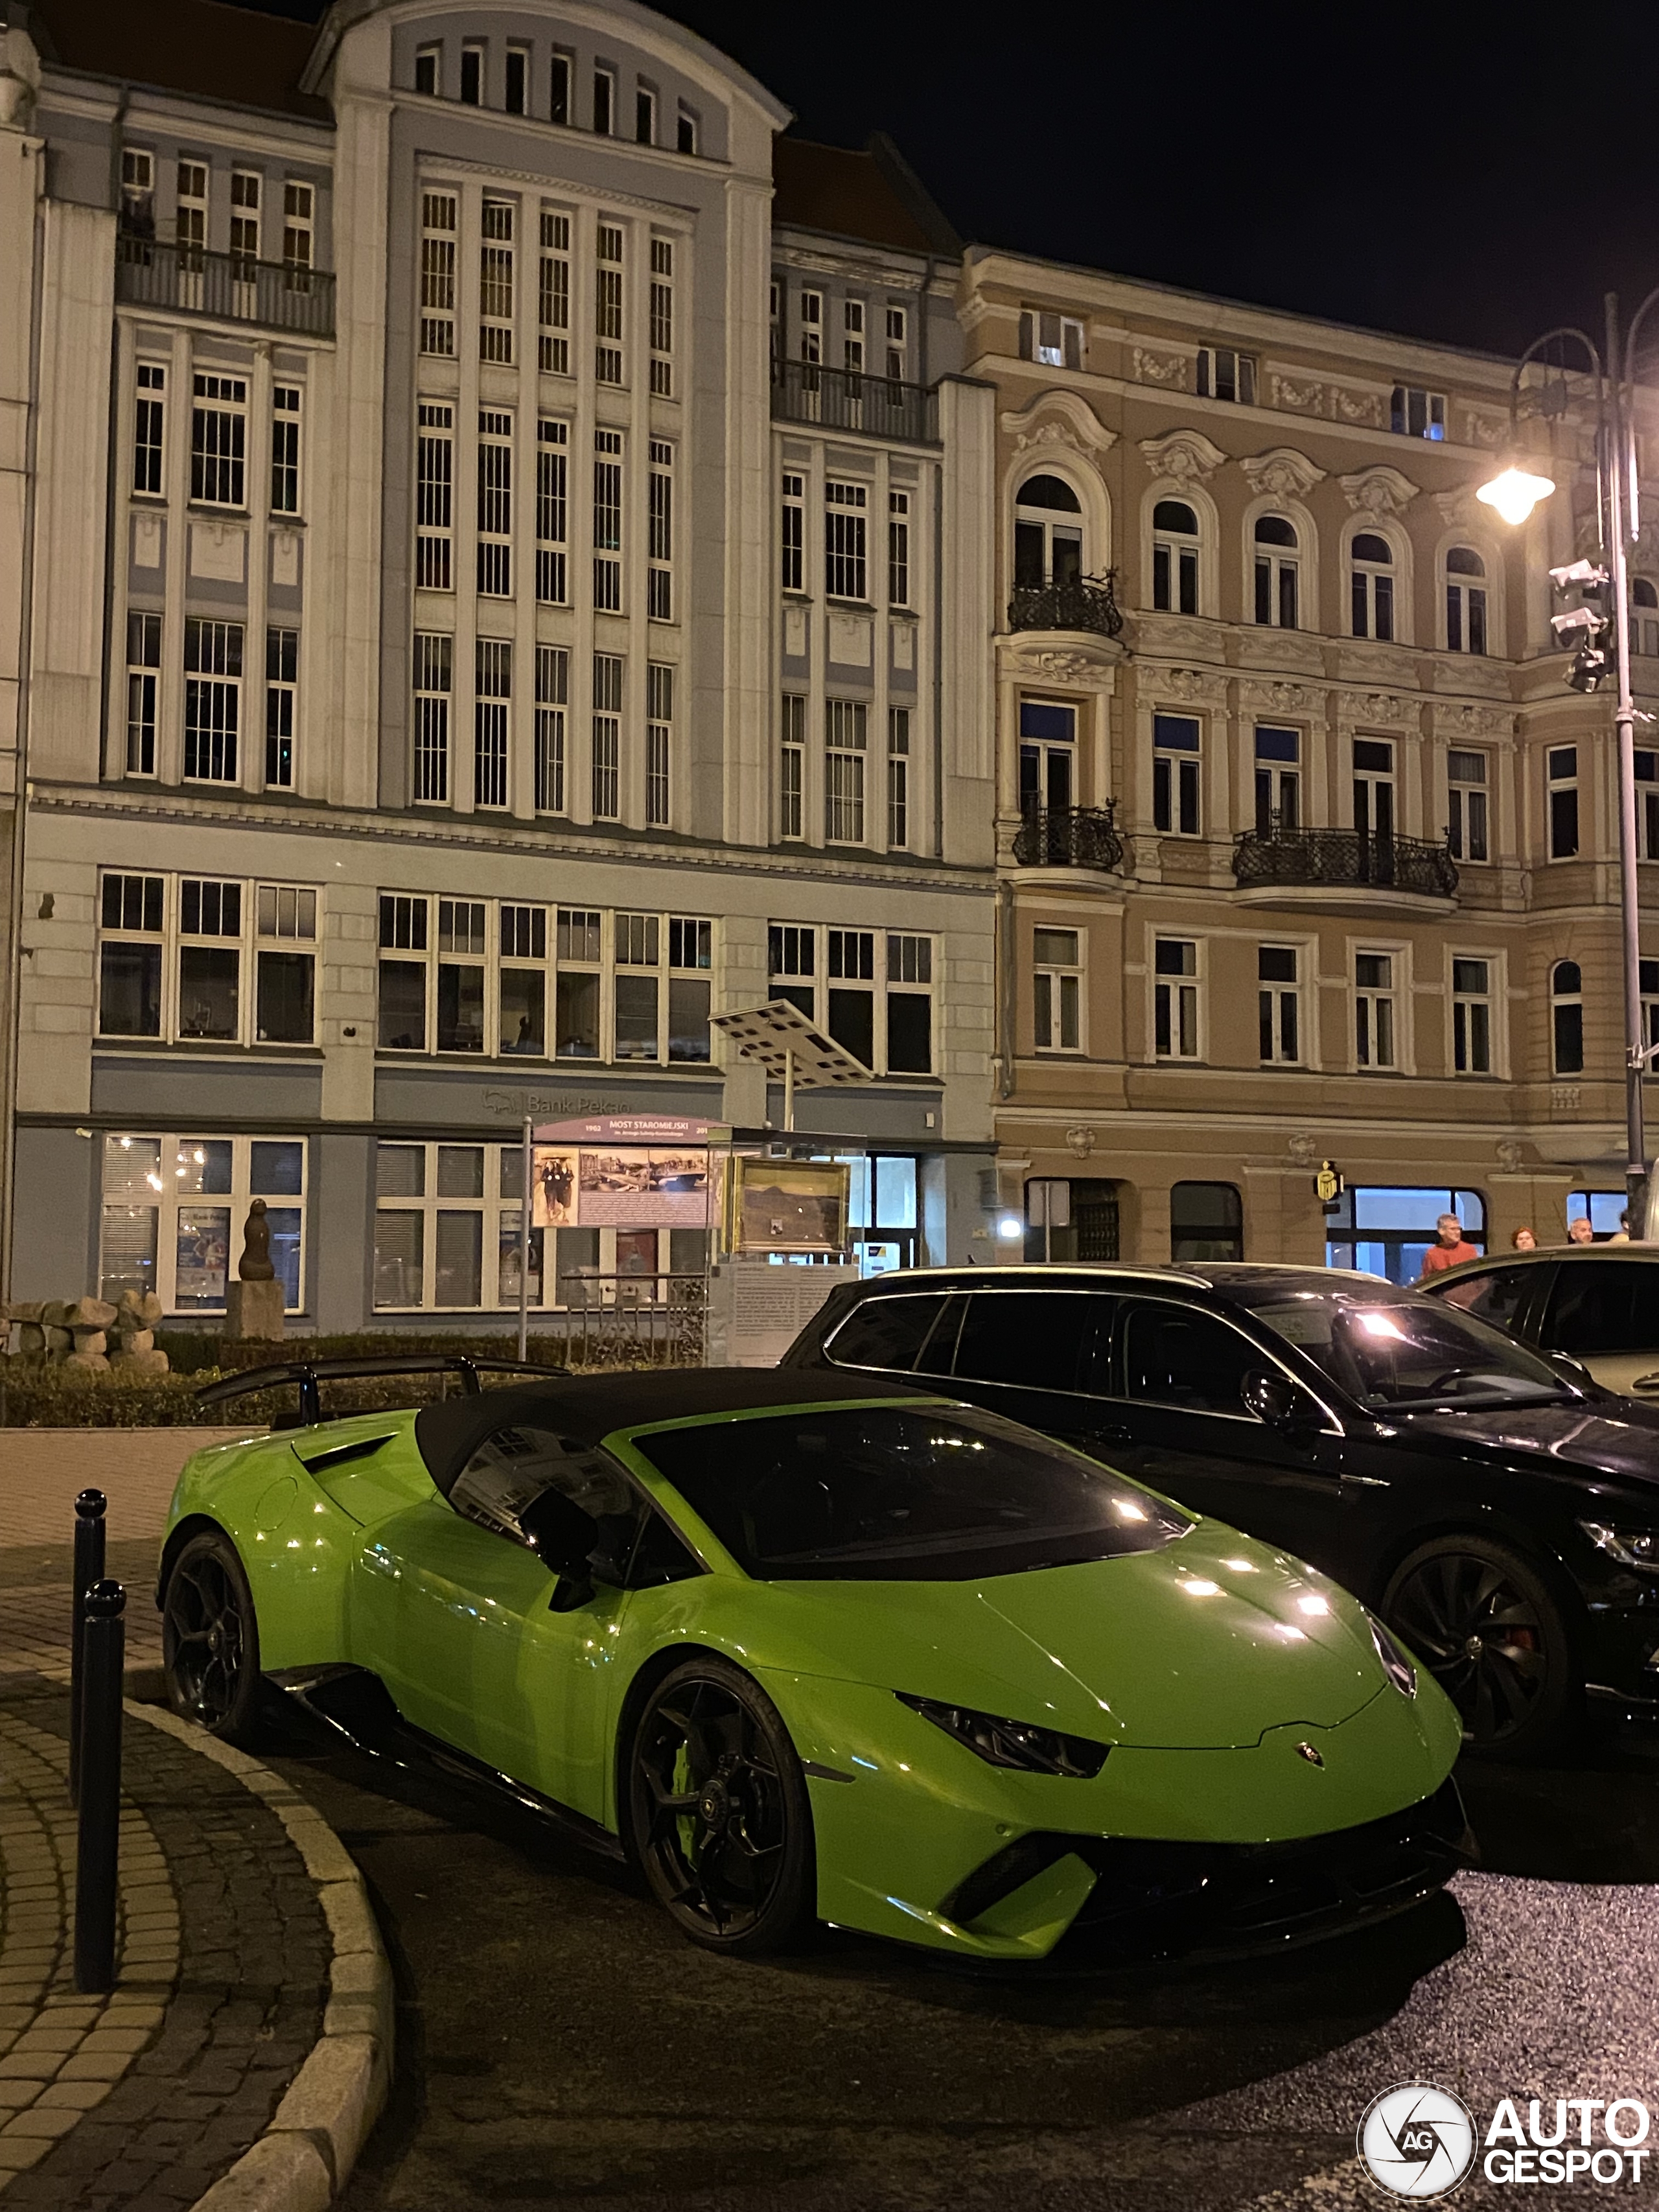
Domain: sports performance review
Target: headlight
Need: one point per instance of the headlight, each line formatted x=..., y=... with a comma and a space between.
x=1011, y=1743
x=1632, y=1547
x=1395, y=1665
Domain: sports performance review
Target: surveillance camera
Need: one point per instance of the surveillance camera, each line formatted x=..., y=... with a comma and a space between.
x=1577, y=572
x=1576, y=623
x=1589, y=671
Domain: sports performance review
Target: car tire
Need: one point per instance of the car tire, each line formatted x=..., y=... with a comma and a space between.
x=1486, y=1624
x=211, y=1640
x=717, y=1812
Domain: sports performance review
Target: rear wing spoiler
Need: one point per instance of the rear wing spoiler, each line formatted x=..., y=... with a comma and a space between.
x=309, y=1373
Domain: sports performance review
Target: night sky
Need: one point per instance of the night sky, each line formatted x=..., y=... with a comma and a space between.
x=1439, y=170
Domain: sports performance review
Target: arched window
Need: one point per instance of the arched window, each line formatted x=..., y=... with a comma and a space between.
x=1643, y=616
x=1277, y=571
x=1466, y=600
x=1567, y=1016
x=1174, y=557
x=1047, y=533
x=1206, y=1222
x=1372, y=574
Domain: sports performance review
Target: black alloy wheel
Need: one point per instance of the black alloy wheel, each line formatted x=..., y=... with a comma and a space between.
x=718, y=1811
x=1486, y=1625
x=210, y=1639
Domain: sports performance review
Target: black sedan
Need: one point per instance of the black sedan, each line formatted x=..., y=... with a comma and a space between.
x=1494, y=1505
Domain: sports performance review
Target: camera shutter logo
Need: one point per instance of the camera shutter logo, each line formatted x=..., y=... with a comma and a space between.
x=1417, y=2141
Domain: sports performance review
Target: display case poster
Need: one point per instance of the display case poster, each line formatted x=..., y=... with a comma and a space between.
x=643, y=1186
x=554, y=1180
x=791, y=1205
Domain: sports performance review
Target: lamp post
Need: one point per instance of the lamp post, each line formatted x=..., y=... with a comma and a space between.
x=1514, y=492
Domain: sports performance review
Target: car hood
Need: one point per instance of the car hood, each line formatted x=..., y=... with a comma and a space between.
x=1208, y=1643
x=1608, y=1435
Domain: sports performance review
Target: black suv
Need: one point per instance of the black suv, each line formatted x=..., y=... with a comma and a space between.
x=1597, y=1303
x=1496, y=1505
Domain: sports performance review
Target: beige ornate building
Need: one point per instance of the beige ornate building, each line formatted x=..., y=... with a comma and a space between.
x=1306, y=851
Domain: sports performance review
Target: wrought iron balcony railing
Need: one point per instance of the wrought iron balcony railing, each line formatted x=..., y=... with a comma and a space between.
x=851, y=399
x=1342, y=860
x=1069, y=837
x=1083, y=602
x=151, y=273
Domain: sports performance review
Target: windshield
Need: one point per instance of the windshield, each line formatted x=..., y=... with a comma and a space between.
x=884, y=1493
x=1401, y=1351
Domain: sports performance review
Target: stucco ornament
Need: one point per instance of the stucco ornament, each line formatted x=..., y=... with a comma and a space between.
x=1081, y=1140
x=1304, y=1151
x=1063, y=419
x=1160, y=367
x=1509, y=1156
x=1282, y=473
x=1187, y=455
x=1380, y=490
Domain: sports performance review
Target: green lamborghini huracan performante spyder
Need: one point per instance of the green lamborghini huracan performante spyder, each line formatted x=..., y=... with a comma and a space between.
x=801, y=1649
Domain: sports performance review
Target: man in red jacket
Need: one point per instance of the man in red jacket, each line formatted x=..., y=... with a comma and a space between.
x=1450, y=1252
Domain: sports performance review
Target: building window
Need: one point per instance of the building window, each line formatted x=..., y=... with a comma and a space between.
x=281, y=687
x=1644, y=617
x=845, y=736
x=1277, y=573
x=607, y=737
x=1048, y=757
x=845, y=567
x=1563, y=766
x=143, y=667
x=897, y=344
x=812, y=334
x=150, y=422
x=1278, y=781
x=1055, y=340
x=1647, y=805
x=218, y=432
x=243, y=223
x=299, y=232
x=898, y=549
x=607, y=521
x=495, y=283
x=435, y=470
x=1175, y=999
x=1414, y=413
x=190, y=222
x=1056, y=990
x=1466, y=600
x=1373, y=797
x=1174, y=557
x=427, y=62
x=174, y=953
x=495, y=504
x=1387, y=1229
x=1465, y=805
x=552, y=692
x=1567, y=1017
x=1207, y=1222
x=213, y=699
x=462, y=930
x=1648, y=978
x=1224, y=374
x=660, y=581
x=434, y=662
x=172, y=1207
x=841, y=978
x=793, y=528
x=285, y=924
x=1176, y=763
x=1472, y=1017
x=658, y=727
x=472, y=67
x=437, y=273
x=662, y=317
x=608, y=306
x=558, y=88
x=1278, y=1004
x=132, y=914
x=1372, y=586
x=137, y=192
x=898, y=777
x=285, y=449
x=604, y=102
x=645, y=115
x=792, y=767
x=686, y=135
x=553, y=294
x=852, y=340
x=1373, y=1009
x=1048, y=534
x=909, y=1005
x=518, y=80
x=552, y=524
x=491, y=715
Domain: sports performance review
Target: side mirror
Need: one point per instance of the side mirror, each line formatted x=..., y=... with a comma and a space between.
x=562, y=1536
x=1574, y=1370
x=1274, y=1399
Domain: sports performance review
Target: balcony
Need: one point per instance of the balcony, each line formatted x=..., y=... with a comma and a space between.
x=1083, y=603
x=1342, y=861
x=849, y=400
x=149, y=273
x=1069, y=837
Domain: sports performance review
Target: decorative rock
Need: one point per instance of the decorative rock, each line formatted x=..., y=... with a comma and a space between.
x=90, y=1340
x=89, y=1313
x=55, y=1313
x=56, y=1341
x=25, y=1310
x=139, y=1363
x=137, y=1340
x=144, y=1307
x=87, y=1362
x=32, y=1338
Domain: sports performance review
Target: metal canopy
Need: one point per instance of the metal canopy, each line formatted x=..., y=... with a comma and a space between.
x=789, y=1047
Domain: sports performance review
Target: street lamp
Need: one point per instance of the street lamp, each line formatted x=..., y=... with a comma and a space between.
x=1514, y=492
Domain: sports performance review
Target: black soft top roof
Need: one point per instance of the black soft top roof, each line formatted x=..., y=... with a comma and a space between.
x=590, y=1407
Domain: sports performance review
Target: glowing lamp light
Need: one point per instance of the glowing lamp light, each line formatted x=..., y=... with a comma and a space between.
x=1514, y=492
x=1010, y=1226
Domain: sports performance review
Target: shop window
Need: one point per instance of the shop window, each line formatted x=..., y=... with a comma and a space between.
x=1206, y=1222
x=174, y=1211
x=1387, y=1229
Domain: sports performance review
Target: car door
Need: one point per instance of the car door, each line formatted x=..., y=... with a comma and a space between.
x=1512, y=1299
x=1027, y=1352
x=1178, y=1372
x=452, y=1612
x=892, y=1332
x=1605, y=1312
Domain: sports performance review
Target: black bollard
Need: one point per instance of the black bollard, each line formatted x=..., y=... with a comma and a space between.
x=98, y=1838
x=90, y=1510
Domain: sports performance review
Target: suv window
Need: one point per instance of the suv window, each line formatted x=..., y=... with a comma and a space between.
x=1176, y=1355
x=1605, y=1305
x=886, y=1332
x=499, y=1484
x=1034, y=1338
x=1496, y=1297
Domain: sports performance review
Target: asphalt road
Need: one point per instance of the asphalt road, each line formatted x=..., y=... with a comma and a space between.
x=561, y=2045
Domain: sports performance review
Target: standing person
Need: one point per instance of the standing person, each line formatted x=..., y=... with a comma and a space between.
x=1581, y=1232
x=1450, y=1251
x=1523, y=1240
x=1621, y=1233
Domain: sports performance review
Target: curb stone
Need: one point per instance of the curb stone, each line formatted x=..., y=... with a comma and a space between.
x=303, y=2159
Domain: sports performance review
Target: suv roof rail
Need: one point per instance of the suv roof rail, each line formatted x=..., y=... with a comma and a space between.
x=309, y=1373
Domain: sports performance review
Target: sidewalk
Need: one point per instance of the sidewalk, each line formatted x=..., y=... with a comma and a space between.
x=251, y=2020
